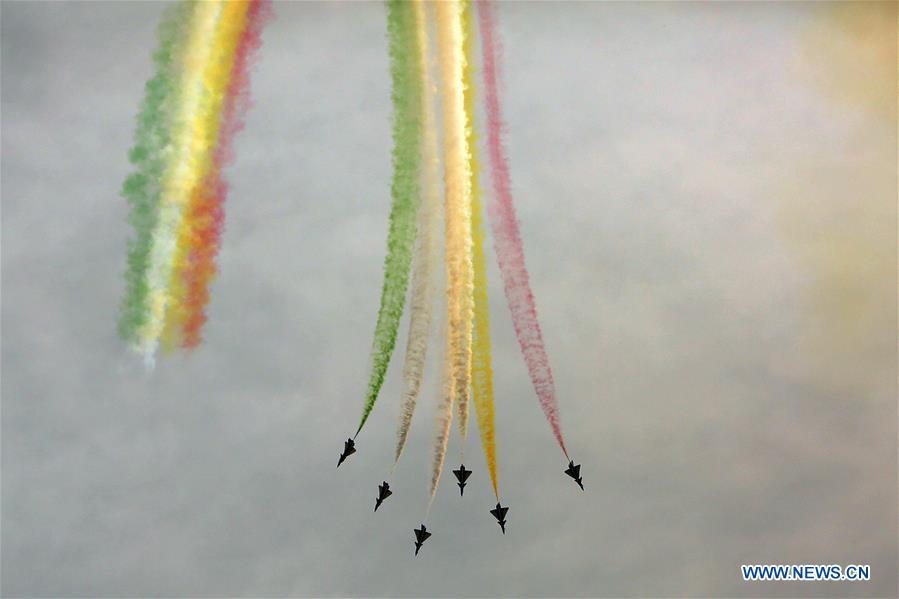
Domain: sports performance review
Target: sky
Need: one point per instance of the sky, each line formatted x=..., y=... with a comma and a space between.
x=707, y=195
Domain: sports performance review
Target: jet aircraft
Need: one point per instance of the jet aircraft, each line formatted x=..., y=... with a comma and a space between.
x=575, y=473
x=383, y=493
x=421, y=535
x=462, y=475
x=500, y=514
x=349, y=448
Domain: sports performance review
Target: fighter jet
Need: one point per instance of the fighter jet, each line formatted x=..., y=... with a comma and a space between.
x=500, y=514
x=383, y=493
x=421, y=535
x=575, y=473
x=462, y=475
x=349, y=448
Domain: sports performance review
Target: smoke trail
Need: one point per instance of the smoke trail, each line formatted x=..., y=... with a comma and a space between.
x=466, y=305
x=181, y=174
x=507, y=238
x=216, y=82
x=426, y=248
x=481, y=370
x=458, y=224
x=206, y=212
x=404, y=71
x=444, y=421
x=457, y=205
x=141, y=188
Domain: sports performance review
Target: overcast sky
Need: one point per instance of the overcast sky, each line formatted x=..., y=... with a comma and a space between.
x=708, y=204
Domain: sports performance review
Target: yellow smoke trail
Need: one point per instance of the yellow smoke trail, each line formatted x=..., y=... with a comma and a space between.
x=426, y=249
x=181, y=177
x=458, y=228
x=204, y=133
x=481, y=369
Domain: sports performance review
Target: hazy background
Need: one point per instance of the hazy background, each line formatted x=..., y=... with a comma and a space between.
x=707, y=195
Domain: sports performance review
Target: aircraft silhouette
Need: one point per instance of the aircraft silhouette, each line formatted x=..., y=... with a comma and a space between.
x=462, y=475
x=421, y=535
x=575, y=473
x=349, y=448
x=383, y=493
x=500, y=514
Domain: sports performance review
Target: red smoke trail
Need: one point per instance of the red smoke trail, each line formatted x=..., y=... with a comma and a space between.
x=207, y=207
x=507, y=237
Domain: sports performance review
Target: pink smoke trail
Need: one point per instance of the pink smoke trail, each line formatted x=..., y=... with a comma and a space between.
x=507, y=237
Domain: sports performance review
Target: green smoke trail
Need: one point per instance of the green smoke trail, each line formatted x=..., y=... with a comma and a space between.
x=421, y=297
x=148, y=155
x=407, y=131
